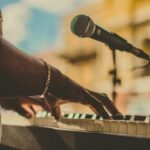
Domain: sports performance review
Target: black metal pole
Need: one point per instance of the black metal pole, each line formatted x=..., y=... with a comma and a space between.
x=115, y=79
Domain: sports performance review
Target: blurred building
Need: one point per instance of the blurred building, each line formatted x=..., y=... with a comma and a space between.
x=90, y=62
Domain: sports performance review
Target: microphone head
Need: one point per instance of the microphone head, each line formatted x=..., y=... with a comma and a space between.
x=82, y=26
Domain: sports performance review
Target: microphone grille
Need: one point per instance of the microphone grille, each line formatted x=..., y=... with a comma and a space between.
x=82, y=26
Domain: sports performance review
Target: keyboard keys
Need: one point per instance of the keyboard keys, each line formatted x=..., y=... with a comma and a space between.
x=129, y=125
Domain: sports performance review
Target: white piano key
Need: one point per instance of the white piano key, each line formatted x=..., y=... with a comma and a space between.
x=49, y=114
x=77, y=124
x=83, y=116
x=35, y=122
x=132, y=128
x=84, y=124
x=106, y=126
x=94, y=117
x=38, y=122
x=64, y=123
x=132, y=118
x=45, y=122
x=148, y=130
x=91, y=126
x=71, y=124
x=147, y=119
x=114, y=126
x=101, y=118
x=142, y=129
x=98, y=126
x=39, y=114
x=77, y=115
x=123, y=127
x=70, y=116
x=99, y=122
x=44, y=114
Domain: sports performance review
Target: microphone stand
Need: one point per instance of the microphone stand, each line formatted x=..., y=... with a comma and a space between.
x=117, y=81
x=113, y=72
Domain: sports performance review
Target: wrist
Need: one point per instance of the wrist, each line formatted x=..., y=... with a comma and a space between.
x=57, y=82
x=54, y=81
x=48, y=79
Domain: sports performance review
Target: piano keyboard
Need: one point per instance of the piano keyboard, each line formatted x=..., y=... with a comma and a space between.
x=138, y=126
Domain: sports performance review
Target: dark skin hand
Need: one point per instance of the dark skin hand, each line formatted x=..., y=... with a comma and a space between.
x=24, y=75
x=63, y=90
x=29, y=106
x=100, y=104
x=25, y=106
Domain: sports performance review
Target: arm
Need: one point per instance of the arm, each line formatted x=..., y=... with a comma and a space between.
x=24, y=75
x=20, y=74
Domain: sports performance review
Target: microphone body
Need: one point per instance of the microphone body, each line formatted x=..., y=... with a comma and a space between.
x=83, y=26
x=111, y=39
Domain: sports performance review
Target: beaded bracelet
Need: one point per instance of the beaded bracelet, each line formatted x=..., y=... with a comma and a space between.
x=48, y=78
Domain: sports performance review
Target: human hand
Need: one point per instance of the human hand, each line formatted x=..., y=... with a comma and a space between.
x=26, y=106
x=63, y=90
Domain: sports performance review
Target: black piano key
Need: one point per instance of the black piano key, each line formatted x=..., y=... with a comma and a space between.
x=118, y=117
x=98, y=117
x=139, y=118
x=66, y=115
x=80, y=116
x=88, y=116
x=127, y=117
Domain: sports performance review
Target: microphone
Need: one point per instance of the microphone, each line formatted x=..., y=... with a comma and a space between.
x=83, y=26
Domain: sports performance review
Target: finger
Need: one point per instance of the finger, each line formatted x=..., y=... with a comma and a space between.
x=41, y=102
x=55, y=107
x=29, y=111
x=97, y=105
x=22, y=112
x=55, y=110
x=30, y=104
x=47, y=105
x=36, y=108
x=106, y=102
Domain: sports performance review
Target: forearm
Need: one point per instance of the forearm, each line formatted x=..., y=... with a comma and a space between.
x=20, y=74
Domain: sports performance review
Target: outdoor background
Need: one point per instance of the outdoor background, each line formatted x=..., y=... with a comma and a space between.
x=42, y=28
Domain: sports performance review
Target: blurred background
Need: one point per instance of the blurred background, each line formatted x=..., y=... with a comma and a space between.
x=42, y=28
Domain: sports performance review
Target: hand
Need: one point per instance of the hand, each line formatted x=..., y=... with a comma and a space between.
x=26, y=106
x=63, y=90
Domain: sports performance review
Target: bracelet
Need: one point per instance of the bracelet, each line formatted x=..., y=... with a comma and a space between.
x=48, y=78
